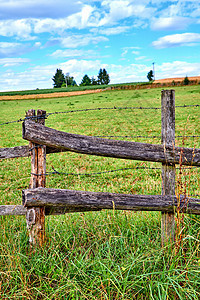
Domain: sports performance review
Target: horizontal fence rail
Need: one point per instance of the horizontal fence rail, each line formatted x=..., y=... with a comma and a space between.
x=21, y=210
x=40, y=134
x=24, y=151
x=21, y=151
x=67, y=199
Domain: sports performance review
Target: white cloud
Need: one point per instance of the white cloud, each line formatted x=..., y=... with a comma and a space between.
x=177, y=69
x=37, y=44
x=8, y=49
x=119, y=10
x=141, y=58
x=20, y=28
x=8, y=62
x=130, y=73
x=73, y=53
x=177, y=40
x=171, y=23
x=6, y=45
x=75, y=41
x=111, y=30
x=126, y=50
x=135, y=52
x=78, y=20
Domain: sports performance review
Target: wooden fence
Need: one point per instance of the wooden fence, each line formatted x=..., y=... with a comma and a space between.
x=39, y=201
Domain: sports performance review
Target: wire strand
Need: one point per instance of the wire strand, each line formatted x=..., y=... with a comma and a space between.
x=104, y=172
x=91, y=109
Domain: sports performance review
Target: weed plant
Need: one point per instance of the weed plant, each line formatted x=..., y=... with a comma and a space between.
x=108, y=254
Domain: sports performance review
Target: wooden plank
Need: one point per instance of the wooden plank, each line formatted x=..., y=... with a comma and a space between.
x=168, y=170
x=12, y=210
x=110, y=148
x=55, y=198
x=22, y=151
x=20, y=210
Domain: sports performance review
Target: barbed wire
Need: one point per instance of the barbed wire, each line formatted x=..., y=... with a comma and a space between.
x=93, y=173
x=92, y=109
x=104, y=172
x=26, y=118
x=118, y=108
x=192, y=105
x=143, y=136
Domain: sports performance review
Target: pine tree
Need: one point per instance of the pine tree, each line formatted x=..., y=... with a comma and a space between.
x=103, y=77
x=186, y=80
x=100, y=77
x=86, y=80
x=58, y=78
x=106, y=78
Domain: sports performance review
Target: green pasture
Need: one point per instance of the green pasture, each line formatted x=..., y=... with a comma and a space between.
x=67, y=89
x=109, y=254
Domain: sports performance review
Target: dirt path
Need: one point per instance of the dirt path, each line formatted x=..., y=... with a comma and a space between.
x=50, y=95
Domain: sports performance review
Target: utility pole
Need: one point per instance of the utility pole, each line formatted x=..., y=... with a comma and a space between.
x=154, y=77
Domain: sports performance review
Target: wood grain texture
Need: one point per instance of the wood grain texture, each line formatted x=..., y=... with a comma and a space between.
x=20, y=210
x=110, y=148
x=168, y=171
x=95, y=200
x=35, y=216
x=12, y=210
x=22, y=151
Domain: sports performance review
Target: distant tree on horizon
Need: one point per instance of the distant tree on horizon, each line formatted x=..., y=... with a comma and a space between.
x=70, y=80
x=86, y=80
x=186, y=80
x=103, y=77
x=150, y=75
x=58, y=78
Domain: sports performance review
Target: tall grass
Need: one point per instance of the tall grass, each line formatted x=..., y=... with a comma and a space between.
x=108, y=254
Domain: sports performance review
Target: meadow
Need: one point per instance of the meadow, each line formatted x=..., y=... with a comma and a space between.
x=67, y=89
x=108, y=254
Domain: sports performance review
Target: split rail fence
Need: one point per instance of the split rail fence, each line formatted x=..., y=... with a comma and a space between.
x=38, y=201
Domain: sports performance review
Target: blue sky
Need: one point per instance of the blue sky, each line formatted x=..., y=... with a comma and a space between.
x=80, y=37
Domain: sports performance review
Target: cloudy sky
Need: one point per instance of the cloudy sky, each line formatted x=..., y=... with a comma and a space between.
x=80, y=37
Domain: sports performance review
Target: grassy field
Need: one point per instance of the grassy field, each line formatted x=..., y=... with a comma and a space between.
x=109, y=254
x=67, y=89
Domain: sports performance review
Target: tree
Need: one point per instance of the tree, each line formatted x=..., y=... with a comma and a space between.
x=186, y=81
x=150, y=75
x=70, y=80
x=103, y=77
x=100, y=77
x=58, y=78
x=86, y=80
x=94, y=81
x=106, y=78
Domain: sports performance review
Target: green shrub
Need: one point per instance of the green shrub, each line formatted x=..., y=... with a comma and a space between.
x=186, y=81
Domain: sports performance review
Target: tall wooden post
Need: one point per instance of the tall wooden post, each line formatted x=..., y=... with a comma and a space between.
x=168, y=170
x=35, y=217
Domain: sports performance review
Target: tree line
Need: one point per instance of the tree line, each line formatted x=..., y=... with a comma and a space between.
x=61, y=80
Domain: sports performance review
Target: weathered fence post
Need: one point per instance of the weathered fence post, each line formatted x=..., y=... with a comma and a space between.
x=168, y=170
x=35, y=216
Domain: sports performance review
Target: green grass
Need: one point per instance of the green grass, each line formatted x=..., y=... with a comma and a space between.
x=67, y=89
x=53, y=90
x=108, y=254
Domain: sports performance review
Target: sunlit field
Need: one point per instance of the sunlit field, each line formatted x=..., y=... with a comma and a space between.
x=107, y=254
